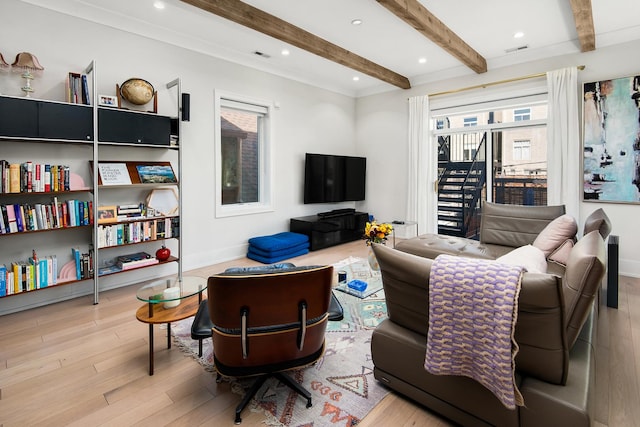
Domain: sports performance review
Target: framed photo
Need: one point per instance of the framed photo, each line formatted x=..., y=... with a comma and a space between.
x=107, y=100
x=156, y=174
x=107, y=214
x=611, y=140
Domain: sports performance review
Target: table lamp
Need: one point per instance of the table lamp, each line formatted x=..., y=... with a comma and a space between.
x=27, y=64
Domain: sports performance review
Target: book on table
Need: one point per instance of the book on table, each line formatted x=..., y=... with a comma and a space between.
x=135, y=260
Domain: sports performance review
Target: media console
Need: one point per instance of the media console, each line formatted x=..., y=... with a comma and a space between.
x=331, y=228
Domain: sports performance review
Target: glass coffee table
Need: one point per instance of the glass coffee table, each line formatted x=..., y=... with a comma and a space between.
x=358, y=269
x=169, y=300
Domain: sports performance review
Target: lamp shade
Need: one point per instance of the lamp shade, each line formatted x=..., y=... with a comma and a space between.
x=26, y=60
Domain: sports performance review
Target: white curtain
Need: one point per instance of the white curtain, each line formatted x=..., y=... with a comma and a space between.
x=563, y=145
x=421, y=196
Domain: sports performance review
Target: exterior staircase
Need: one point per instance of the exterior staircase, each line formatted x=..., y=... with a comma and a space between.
x=460, y=188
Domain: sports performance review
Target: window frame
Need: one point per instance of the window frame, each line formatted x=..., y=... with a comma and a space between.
x=265, y=155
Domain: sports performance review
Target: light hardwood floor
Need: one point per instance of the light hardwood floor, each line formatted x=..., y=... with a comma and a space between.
x=79, y=364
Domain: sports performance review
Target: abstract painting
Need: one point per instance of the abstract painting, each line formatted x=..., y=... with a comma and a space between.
x=611, y=140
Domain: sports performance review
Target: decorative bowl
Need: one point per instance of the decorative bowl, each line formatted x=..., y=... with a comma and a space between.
x=137, y=91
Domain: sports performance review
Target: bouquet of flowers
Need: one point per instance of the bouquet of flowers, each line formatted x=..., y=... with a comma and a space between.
x=377, y=233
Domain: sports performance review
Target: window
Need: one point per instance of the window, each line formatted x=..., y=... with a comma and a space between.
x=522, y=150
x=243, y=169
x=470, y=121
x=520, y=114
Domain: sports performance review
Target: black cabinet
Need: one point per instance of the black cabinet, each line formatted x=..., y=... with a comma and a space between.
x=133, y=127
x=329, y=230
x=29, y=118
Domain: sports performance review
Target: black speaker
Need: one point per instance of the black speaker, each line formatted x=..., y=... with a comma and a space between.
x=186, y=107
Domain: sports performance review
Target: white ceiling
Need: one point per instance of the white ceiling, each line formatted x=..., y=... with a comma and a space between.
x=487, y=26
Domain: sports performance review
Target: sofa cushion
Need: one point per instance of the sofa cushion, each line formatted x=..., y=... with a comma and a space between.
x=561, y=254
x=556, y=233
x=597, y=220
x=583, y=275
x=515, y=225
x=529, y=257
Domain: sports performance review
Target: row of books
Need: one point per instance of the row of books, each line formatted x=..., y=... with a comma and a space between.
x=17, y=218
x=138, y=231
x=83, y=263
x=23, y=276
x=78, y=89
x=128, y=262
x=29, y=177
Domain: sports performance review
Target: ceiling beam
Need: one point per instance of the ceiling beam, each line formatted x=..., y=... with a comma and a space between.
x=416, y=15
x=256, y=19
x=583, y=15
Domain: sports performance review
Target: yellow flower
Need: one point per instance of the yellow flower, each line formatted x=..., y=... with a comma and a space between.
x=377, y=233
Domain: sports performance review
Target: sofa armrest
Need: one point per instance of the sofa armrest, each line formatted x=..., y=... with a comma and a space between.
x=515, y=225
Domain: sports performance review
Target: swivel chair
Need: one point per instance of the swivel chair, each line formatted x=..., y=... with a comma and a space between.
x=266, y=323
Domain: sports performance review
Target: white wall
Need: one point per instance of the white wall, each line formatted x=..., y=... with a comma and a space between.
x=308, y=119
x=382, y=137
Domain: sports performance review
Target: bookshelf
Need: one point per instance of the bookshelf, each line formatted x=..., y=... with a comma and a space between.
x=95, y=140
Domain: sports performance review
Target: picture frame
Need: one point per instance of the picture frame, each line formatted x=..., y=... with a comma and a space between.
x=107, y=214
x=611, y=140
x=156, y=174
x=164, y=201
x=108, y=101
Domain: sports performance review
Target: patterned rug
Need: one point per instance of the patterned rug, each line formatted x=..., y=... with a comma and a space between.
x=341, y=383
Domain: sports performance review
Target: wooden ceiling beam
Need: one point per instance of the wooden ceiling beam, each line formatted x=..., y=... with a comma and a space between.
x=256, y=19
x=583, y=15
x=416, y=15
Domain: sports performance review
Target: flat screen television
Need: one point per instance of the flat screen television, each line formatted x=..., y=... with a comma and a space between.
x=331, y=179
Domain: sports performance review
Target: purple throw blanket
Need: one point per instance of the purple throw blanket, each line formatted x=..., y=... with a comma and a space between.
x=473, y=306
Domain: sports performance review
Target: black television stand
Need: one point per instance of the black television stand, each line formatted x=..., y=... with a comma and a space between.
x=339, y=226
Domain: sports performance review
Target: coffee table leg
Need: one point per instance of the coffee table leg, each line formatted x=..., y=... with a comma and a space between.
x=150, y=348
x=168, y=335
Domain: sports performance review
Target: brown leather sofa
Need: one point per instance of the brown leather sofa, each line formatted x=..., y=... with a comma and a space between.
x=555, y=330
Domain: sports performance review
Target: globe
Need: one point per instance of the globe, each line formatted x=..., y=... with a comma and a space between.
x=137, y=91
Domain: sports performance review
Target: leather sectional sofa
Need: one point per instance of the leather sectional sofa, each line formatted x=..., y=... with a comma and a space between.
x=555, y=330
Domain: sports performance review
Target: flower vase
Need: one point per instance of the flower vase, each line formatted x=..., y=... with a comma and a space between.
x=373, y=261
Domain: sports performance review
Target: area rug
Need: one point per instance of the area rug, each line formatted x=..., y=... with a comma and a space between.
x=341, y=383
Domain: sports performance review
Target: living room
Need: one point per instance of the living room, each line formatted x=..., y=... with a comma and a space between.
x=306, y=118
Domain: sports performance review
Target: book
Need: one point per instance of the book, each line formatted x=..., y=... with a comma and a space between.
x=86, y=98
x=3, y=280
x=14, y=178
x=114, y=174
x=11, y=218
x=108, y=269
x=135, y=260
x=76, y=257
x=156, y=174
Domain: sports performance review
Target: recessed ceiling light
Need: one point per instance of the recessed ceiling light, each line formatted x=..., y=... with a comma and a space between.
x=518, y=35
x=356, y=78
x=356, y=22
x=158, y=5
x=285, y=52
x=422, y=60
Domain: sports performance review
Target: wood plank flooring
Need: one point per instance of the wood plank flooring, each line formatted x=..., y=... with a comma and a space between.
x=78, y=364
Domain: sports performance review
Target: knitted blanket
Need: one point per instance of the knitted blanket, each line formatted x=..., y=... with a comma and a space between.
x=472, y=315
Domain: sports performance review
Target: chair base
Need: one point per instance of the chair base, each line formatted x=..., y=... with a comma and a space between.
x=260, y=382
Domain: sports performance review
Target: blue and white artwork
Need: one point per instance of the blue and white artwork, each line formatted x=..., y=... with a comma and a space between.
x=611, y=162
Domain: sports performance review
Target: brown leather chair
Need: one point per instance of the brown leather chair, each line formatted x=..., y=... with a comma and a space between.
x=266, y=323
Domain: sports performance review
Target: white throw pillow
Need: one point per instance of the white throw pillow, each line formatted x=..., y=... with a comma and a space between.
x=529, y=257
x=556, y=233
